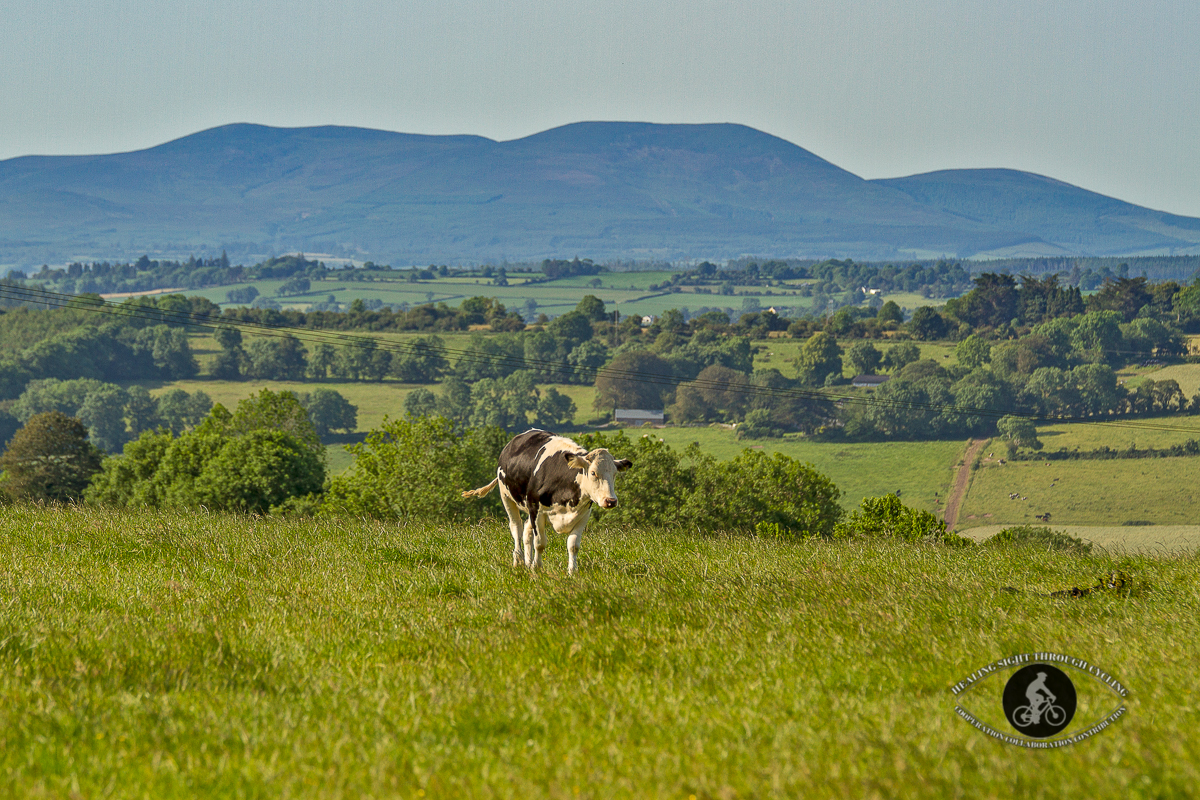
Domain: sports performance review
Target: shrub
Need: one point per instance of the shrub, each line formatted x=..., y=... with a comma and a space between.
x=418, y=468
x=887, y=518
x=252, y=460
x=694, y=490
x=1042, y=538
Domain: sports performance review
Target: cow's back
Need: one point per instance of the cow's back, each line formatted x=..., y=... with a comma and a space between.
x=521, y=457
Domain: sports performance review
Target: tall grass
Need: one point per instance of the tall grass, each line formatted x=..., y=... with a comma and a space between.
x=171, y=654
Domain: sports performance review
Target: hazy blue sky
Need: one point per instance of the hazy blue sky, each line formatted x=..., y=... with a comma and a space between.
x=1105, y=95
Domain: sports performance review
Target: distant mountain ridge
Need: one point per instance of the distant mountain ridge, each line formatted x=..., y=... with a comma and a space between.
x=597, y=189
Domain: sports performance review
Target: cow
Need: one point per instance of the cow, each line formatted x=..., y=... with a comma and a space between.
x=553, y=480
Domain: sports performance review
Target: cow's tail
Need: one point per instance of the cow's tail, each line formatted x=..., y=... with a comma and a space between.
x=482, y=490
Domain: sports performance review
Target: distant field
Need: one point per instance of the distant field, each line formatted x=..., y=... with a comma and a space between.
x=922, y=471
x=779, y=353
x=1152, y=539
x=374, y=400
x=1186, y=375
x=1120, y=434
x=627, y=292
x=1162, y=491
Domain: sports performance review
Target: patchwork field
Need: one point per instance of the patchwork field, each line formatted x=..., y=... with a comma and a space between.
x=199, y=655
x=1162, y=491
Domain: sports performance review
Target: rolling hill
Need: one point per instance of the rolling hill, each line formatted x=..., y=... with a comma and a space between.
x=598, y=189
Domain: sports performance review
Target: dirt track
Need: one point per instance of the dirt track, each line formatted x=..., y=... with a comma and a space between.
x=961, y=481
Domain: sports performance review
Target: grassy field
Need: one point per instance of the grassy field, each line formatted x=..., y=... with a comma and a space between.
x=1159, y=540
x=779, y=353
x=197, y=655
x=1119, y=435
x=922, y=471
x=374, y=400
x=1186, y=375
x=1145, y=490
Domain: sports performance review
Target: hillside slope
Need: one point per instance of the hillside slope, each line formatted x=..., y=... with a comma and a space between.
x=599, y=189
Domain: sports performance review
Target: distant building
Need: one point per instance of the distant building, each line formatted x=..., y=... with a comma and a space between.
x=636, y=416
x=870, y=381
x=647, y=321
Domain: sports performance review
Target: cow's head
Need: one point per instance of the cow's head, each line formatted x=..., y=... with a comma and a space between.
x=598, y=469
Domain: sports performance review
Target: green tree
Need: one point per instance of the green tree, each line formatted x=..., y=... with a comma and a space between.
x=424, y=361
x=592, y=308
x=280, y=359
x=635, y=379
x=573, y=328
x=863, y=358
x=103, y=414
x=48, y=459
x=129, y=479
x=890, y=312
x=241, y=295
x=257, y=471
x=420, y=402
x=1097, y=337
x=927, y=323
x=141, y=410
x=330, y=411
x=901, y=355
x=1018, y=432
x=819, y=358
x=322, y=360
x=554, y=409
x=973, y=352
x=181, y=411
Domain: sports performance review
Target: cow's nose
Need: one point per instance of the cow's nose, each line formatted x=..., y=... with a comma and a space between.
x=610, y=502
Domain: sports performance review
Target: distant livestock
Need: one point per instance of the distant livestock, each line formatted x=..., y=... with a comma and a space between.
x=553, y=480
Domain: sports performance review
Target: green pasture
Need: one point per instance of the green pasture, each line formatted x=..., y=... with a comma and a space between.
x=1162, y=491
x=374, y=400
x=1186, y=375
x=1156, y=432
x=201, y=655
x=922, y=471
x=780, y=353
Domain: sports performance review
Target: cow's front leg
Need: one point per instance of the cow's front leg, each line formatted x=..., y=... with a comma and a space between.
x=573, y=551
x=530, y=524
x=574, y=537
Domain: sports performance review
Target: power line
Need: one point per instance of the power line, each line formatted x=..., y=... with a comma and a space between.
x=317, y=336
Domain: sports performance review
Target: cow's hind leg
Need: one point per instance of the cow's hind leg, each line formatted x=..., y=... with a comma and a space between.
x=539, y=538
x=513, y=511
x=530, y=529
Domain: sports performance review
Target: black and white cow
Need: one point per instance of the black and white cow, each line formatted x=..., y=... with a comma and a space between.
x=553, y=480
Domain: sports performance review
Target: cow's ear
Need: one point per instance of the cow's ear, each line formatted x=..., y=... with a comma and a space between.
x=576, y=461
x=624, y=464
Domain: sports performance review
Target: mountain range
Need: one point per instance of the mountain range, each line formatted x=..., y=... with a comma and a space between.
x=604, y=190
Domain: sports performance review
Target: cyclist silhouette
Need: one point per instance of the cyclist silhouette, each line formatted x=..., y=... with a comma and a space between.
x=1040, y=699
x=1039, y=695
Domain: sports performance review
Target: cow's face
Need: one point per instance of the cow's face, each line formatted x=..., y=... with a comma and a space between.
x=598, y=469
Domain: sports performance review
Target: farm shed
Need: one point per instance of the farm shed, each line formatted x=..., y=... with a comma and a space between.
x=636, y=416
x=870, y=381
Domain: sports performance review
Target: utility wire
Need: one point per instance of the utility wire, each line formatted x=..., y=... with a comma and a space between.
x=316, y=336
